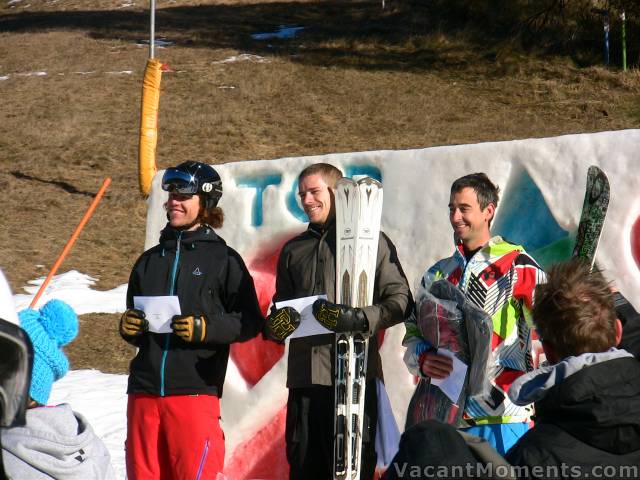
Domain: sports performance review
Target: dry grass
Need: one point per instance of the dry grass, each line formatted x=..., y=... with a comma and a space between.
x=357, y=78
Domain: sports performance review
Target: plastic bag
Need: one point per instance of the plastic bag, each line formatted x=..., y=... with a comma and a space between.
x=449, y=320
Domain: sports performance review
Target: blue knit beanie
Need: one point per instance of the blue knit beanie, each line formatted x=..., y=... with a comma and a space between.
x=55, y=325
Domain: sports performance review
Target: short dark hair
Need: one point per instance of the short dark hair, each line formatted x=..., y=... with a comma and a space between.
x=486, y=191
x=329, y=173
x=574, y=310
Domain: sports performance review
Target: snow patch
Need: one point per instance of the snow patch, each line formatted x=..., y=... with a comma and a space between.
x=73, y=287
x=243, y=57
x=284, y=32
x=32, y=74
x=159, y=42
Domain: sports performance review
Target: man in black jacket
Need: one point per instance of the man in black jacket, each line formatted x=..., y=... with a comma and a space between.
x=307, y=267
x=176, y=378
x=587, y=402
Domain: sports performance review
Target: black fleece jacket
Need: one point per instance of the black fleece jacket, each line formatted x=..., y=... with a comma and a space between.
x=210, y=279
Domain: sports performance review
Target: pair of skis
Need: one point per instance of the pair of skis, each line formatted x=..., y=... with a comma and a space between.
x=358, y=214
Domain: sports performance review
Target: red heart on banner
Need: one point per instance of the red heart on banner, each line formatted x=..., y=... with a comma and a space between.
x=257, y=356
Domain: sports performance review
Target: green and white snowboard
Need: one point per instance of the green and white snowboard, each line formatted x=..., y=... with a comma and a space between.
x=594, y=211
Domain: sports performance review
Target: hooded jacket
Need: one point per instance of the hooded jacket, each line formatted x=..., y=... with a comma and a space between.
x=210, y=279
x=56, y=443
x=307, y=266
x=500, y=279
x=587, y=417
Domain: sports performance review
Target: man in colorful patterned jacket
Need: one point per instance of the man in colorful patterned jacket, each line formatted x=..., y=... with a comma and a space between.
x=500, y=278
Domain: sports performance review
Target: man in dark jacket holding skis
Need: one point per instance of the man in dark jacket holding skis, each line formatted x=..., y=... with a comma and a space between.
x=587, y=401
x=176, y=378
x=307, y=267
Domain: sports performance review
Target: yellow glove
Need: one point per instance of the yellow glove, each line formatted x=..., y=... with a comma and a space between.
x=133, y=323
x=190, y=328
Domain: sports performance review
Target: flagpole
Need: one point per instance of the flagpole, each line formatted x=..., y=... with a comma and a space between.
x=152, y=36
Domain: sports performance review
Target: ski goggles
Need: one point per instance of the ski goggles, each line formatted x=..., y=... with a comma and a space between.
x=177, y=181
x=16, y=363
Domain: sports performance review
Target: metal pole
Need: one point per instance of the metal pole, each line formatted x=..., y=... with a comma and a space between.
x=605, y=20
x=606, y=39
x=624, y=42
x=152, y=36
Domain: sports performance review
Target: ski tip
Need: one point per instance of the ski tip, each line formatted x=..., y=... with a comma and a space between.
x=596, y=171
x=369, y=181
x=352, y=182
x=345, y=181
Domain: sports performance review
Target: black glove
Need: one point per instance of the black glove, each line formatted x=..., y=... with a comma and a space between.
x=190, y=328
x=133, y=323
x=340, y=318
x=282, y=322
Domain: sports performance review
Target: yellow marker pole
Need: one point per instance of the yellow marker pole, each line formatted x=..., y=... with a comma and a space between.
x=149, y=113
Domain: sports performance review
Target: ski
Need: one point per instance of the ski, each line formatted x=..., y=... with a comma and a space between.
x=358, y=214
x=594, y=211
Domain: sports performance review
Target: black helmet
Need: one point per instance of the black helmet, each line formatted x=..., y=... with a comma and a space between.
x=190, y=178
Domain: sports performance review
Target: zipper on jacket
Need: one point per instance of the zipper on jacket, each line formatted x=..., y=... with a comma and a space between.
x=172, y=291
x=203, y=459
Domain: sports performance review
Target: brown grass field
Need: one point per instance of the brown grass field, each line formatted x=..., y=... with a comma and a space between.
x=358, y=77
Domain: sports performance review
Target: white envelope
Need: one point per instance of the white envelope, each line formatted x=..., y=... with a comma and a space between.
x=308, y=323
x=452, y=385
x=158, y=311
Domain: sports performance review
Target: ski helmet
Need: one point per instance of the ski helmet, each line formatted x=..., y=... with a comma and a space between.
x=191, y=178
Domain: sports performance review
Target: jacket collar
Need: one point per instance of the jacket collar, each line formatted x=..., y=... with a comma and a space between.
x=594, y=397
x=169, y=236
x=320, y=230
x=534, y=386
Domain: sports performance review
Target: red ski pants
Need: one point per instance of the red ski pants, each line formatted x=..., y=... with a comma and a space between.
x=174, y=438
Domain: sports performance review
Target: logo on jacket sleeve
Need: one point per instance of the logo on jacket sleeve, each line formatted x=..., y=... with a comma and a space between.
x=197, y=272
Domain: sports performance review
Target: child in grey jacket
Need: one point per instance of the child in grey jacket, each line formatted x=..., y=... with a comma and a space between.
x=55, y=442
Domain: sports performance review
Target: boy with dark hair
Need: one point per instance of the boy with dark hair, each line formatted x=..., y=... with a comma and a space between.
x=587, y=401
x=307, y=267
x=499, y=278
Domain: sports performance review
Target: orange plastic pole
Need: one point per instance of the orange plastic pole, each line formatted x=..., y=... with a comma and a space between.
x=71, y=241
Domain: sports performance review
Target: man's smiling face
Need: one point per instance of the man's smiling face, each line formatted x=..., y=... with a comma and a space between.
x=316, y=198
x=470, y=222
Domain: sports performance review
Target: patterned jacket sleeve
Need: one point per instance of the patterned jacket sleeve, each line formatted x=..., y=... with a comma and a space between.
x=413, y=340
x=529, y=274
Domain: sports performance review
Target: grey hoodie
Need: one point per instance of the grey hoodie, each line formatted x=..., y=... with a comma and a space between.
x=56, y=442
x=533, y=386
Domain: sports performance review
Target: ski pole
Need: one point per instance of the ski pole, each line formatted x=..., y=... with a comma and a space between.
x=605, y=19
x=606, y=39
x=71, y=241
x=624, y=41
